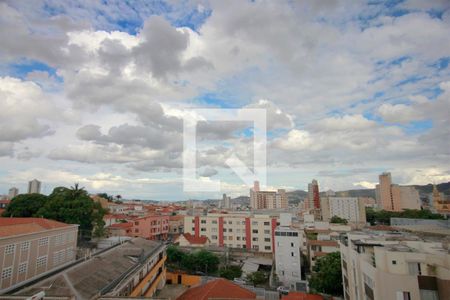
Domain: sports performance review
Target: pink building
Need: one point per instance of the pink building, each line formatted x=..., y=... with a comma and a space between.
x=151, y=227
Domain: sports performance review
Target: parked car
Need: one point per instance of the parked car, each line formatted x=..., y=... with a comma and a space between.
x=283, y=290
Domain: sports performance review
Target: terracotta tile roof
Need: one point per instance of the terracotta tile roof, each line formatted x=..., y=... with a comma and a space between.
x=115, y=216
x=195, y=239
x=382, y=228
x=322, y=243
x=176, y=218
x=5, y=201
x=301, y=296
x=219, y=288
x=122, y=225
x=16, y=226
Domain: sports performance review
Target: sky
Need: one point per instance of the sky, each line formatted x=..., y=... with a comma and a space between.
x=95, y=92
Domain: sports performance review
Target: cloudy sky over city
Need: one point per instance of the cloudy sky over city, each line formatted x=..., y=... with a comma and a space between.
x=95, y=92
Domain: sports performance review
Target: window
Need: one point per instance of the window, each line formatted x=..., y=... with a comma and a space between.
x=224, y=230
x=41, y=261
x=255, y=223
x=193, y=228
x=267, y=247
x=414, y=269
x=243, y=238
x=214, y=237
x=255, y=239
x=266, y=231
x=266, y=239
x=6, y=273
x=255, y=247
x=59, y=240
x=230, y=238
x=403, y=296
x=193, y=220
x=23, y=268
x=25, y=246
x=394, y=262
x=292, y=254
x=230, y=230
x=292, y=244
x=203, y=229
x=136, y=223
x=9, y=249
x=238, y=238
x=266, y=223
x=203, y=221
x=255, y=230
x=214, y=222
x=230, y=222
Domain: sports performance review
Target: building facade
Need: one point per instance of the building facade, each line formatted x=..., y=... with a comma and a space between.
x=151, y=227
x=313, y=195
x=13, y=192
x=267, y=199
x=245, y=231
x=392, y=266
x=287, y=256
x=393, y=197
x=30, y=247
x=34, y=187
x=351, y=209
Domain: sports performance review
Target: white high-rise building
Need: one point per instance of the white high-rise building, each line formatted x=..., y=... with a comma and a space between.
x=350, y=208
x=287, y=256
x=13, y=192
x=34, y=186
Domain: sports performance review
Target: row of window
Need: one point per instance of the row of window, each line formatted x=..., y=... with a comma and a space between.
x=60, y=239
x=214, y=229
x=282, y=233
x=254, y=223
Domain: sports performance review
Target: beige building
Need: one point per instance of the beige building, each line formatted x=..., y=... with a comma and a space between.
x=247, y=231
x=30, y=247
x=351, y=209
x=267, y=199
x=393, y=197
x=394, y=266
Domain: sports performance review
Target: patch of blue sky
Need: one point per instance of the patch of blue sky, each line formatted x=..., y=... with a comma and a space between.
x=441, y=63
x=431, y=92
x=213, y=99
x=410, y=79
x=417, y=127
x=22, y=68
x=193, y=19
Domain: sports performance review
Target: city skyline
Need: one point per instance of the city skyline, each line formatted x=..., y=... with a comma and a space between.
x=96, y=93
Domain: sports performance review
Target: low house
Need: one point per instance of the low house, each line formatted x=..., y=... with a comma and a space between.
x=189, y=240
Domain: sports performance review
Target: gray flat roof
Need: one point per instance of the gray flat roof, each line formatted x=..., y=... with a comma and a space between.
x=86, y=279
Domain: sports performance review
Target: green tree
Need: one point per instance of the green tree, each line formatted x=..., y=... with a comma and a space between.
x=327, y=275
x=74, y=206
x=175, y=256
x=25, y=205
x=106, y=196
x=230, y=272
x=338, y=220
x=257, y=278
x=206, y=261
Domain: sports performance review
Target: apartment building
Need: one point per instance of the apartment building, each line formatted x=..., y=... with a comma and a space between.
x=267, y=199
x=351, y=209
x=394, y=266
x=287, y=256
x=151, y=227
x=134, y=269
x=176, y=224
x=30, y=247
x=247, y=231
x=393, y=197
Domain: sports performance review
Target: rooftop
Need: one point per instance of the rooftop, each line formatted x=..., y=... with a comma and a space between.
x=219, y=288
x=16, y=226
x=195, y=239
x=301, y=296
x=86, y=279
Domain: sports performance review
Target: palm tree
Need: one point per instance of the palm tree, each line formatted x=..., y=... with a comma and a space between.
x=76, y=190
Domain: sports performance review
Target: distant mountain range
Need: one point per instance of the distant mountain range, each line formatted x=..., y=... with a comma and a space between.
x=294, y=197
